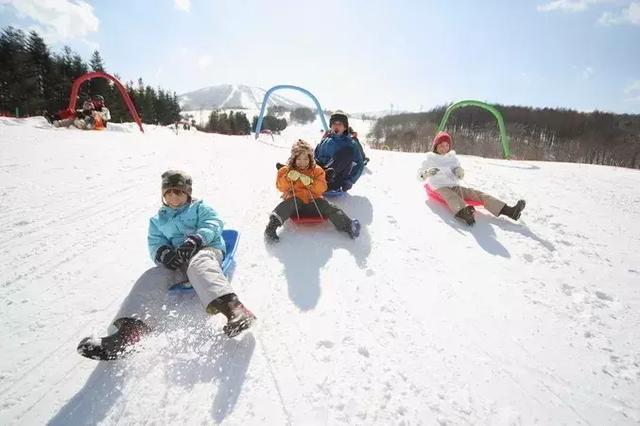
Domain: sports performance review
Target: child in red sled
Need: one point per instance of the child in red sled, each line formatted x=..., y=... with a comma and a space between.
x=442, y=171
x=302, y=184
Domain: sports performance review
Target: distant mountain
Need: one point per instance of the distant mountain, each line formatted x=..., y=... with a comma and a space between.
x=232, y=96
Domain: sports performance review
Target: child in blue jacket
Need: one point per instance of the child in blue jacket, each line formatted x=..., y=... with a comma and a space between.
x=185, y=241
x=340, y=155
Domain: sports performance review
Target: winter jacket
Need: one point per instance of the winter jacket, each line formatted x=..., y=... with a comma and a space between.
x=315, y=189
x=446, y=163
x=105, y=113
x=171, y=226
x=328, y=147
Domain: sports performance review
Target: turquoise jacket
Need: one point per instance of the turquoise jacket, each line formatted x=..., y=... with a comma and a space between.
x=171, y=226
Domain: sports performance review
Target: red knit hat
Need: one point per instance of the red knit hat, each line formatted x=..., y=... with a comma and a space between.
x=441, y=137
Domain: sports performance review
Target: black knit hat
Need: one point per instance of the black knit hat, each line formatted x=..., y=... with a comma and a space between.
x=176, y=179
x=339, y=116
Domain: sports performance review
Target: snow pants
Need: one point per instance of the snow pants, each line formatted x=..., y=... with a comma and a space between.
x=455, y=196
x=204, y=272
x=287, y=209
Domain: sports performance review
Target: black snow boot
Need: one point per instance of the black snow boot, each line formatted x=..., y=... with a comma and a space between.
x=353, y=228
x=239, y=318
x=270, y=232
x=515, y=211
x=466, y=215
x=130, y=331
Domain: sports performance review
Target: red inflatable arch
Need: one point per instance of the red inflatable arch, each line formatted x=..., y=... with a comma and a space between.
x=73, y=98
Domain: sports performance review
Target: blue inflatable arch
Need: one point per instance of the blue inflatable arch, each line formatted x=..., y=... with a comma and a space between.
x=286, y=86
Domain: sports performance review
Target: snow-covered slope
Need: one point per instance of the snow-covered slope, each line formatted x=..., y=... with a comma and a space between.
x=419, y=321
x=230, y=96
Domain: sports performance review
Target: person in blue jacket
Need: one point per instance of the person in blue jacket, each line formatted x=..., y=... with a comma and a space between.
x=185, y=241
x=339, y=154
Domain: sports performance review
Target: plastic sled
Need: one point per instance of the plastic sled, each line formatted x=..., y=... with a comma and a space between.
x=334, y=193
x=231, y=237
x=437, y=197
x=308, y=220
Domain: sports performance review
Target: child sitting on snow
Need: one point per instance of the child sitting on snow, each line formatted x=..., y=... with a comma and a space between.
x=185, y=241
x=442, y=171
x=302, y=184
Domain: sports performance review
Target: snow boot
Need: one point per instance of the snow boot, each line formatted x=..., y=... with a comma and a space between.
x=515, y=211
x=466, y=215
x=239, y=318
x=353, y=228
x=130, y=331
x=279, y=166
x=270, y=233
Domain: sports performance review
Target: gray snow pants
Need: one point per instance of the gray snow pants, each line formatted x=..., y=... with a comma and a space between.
x=204, y=272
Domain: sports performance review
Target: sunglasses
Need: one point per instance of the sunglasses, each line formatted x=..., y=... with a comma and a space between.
x=174, y=191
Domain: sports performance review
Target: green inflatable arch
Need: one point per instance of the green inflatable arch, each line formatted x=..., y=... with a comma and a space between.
x=503, y=130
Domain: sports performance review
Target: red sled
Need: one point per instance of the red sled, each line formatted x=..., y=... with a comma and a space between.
x=308, y=220
x=431, y=193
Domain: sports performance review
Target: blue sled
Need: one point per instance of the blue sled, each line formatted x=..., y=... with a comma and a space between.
x=231, y=237
x=334, y=193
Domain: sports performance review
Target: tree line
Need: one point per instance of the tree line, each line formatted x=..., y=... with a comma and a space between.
x=36, y=81
x=535, y=134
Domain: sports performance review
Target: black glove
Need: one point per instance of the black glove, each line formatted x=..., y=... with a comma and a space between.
x=346, y=185
x=168, y=257
x=189, y=247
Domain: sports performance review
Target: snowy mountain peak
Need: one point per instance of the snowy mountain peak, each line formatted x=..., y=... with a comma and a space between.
x=232, y=96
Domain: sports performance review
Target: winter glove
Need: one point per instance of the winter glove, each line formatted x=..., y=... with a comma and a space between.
x=189, y=247
x=306, y=180
x=168, y=257
x=432, y=171
x=346, y=185
x=293, y=175
x=459, y=172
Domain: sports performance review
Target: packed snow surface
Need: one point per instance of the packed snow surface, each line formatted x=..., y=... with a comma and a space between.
x=421, y=320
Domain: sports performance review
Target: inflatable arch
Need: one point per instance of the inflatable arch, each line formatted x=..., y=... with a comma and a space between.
x=73, y=98
x=504, y=138
x=286, y=86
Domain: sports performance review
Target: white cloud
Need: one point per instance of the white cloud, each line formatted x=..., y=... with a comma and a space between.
x=184, y=5
x=569, y=5
x=628, y=15
x=633, y=91
x=587, y=73
x=205, y=61
x=59, y=20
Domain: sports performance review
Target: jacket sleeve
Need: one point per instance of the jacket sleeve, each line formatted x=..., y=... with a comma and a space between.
x=319, y=185
x=320, y=153
x=155, y=239
x=282, y=183
x=423, y=170
x=209, y=224
x=356, y=171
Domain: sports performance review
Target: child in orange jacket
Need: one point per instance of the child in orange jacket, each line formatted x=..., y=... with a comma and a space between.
x=302, y=184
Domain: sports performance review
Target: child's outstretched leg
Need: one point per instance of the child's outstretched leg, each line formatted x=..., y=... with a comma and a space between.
x=341, y=221
x=453, y=197
x=280, y=214
x=495, y=206
x=492, y=204
x=215, y=292
x=140, y=311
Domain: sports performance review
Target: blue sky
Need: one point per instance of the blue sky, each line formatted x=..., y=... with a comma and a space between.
x=363, y=55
